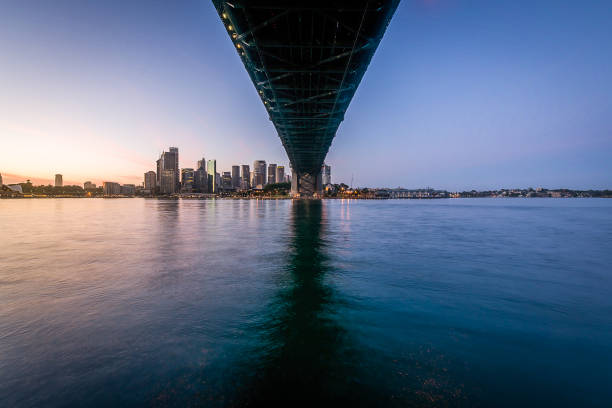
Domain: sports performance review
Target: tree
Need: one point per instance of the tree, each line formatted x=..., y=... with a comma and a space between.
x=278, y=188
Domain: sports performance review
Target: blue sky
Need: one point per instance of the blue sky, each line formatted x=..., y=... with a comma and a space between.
x=459, y=95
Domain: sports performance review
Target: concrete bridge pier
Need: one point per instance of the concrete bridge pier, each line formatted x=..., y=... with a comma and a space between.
x=306, y=185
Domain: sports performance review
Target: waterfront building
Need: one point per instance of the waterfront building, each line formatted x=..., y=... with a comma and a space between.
x=167, y=183
x=150, y=182
x=326, y=174
x=245, y=180
x=280, y=174
x=128, y=189
x=218, y=181
x=236, y=177
x=187, y=180
x=0, y=180
x=259, y=174
x=59, y=182
x=111, y=188
x=169, y=161
x=287, y=178
x=212, y=176
x=16, y=188
x=271, y=173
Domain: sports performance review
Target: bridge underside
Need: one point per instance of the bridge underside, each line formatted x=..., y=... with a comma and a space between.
x=306, y=59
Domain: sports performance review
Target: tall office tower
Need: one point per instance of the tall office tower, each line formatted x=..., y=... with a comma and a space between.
x=174, y=150
x=280, y=174
x=200, y=180
x=259, y=174
x=245, y=181
x=218, y=180
x=201, y=164
x=326, y=174
x=212, y=176
x=236, y=176
x=271, y=173
x=158, y=172
x=168, y=182
x=0, y=180
x=287, y=178
x=150, y=181
x=169, y=161
x=59, y=182
x=187, y=180
x=200, y=177
x=226, y=180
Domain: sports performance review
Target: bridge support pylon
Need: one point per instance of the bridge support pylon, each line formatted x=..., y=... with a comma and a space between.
x=306, y=185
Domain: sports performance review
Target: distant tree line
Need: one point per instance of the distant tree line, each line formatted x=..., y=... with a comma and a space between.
x=29, y=188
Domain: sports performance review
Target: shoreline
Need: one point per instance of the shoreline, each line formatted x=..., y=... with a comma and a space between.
x=283, y=198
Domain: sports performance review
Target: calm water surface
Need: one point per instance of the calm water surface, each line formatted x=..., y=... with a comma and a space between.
x=469, y=302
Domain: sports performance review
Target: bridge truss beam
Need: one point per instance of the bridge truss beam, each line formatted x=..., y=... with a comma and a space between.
x=306, y=59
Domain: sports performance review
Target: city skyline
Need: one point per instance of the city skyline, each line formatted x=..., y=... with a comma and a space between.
x=458, y=96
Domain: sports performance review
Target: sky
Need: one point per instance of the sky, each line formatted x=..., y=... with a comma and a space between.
x=460, y=94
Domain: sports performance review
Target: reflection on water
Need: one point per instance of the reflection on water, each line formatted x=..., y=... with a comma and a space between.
x=303, y=357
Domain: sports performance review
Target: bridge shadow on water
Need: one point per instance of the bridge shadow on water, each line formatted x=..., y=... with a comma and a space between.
x=304, y=357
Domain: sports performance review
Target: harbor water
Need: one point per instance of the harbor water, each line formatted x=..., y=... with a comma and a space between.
x=460, y=302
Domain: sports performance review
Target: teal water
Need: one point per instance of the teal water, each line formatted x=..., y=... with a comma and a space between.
x=432, y=303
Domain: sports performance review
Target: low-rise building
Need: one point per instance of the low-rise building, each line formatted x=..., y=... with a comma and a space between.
x=128, y=189
x=110, y=188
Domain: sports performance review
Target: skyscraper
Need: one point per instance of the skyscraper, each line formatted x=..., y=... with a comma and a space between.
x=226, y=180
x=168, y=182
x=245, y=181
x=187, y=180
x=200, y=181
x=201, y=164
x=326, y=174
x=174, y=150
x=150, y=182
x=200, y=177
x=169, y=161
x=158, y=172
x=280, y=174
x=59, y=182
x=271, y=173
x=236, y=176
x=0, y=180
x=212, y=176
x=259, y=174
